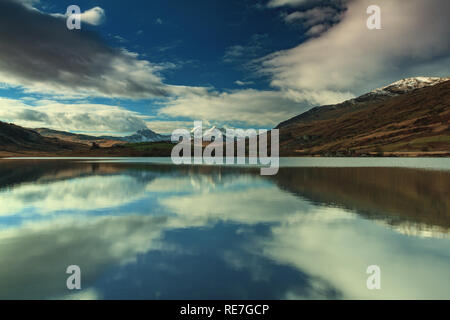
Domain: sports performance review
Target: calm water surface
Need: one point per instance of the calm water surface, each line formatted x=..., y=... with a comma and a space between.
x=145, y=229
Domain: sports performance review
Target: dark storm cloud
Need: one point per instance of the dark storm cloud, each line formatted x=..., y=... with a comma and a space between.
x=39, y=53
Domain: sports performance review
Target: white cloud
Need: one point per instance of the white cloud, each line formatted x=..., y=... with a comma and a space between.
x=352, y=246
x=82, y=117
x=28, y=3
x=317, y=20
x=228, y=206
x=345, y=61
x=350, y=57
x=301, y=235
x=39, y=252
x=297, y=234
x=243, y=83
x=317, y=30
x=87, y=294
x=168, y=126
x=94, y=16
x=281, y=3
x=80, y=194
x=249, y=106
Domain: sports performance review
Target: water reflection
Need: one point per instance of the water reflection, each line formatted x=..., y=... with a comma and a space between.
x=395, y=195
x=161, y=232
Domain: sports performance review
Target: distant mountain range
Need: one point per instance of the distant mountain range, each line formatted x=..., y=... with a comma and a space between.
x=144, y=135
x=218, y=133
x=19, y=141
x=16, y=140
x=408, y=117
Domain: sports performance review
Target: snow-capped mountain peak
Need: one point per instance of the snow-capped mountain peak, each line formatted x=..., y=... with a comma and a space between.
x=213, y=133
x=146, y=135
x=409, y=84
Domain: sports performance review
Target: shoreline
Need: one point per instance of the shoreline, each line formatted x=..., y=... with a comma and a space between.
x=405, y=156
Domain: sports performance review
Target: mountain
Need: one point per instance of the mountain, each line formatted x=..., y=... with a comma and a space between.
x=408, y=117
x=214, y=133
x=408, y=85
x=144, y=135
x=394, y=195
x=18, y=140
x=208, y=134
x=77, y=138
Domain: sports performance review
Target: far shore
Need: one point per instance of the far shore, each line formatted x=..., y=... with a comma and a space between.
x=109, y=154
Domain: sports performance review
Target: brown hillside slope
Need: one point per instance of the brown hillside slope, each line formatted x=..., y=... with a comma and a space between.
x=412, y=123
x=77, y=138
x=397, y=195
x=15, y=140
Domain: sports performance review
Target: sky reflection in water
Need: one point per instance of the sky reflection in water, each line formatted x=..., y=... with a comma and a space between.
x=155, y=231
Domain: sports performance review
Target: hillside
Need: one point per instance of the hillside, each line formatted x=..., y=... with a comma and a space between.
x=78, y=138
x=405, y=118
x=392, y=194
x=145, y=135
x=15, y=140
x=408, y=118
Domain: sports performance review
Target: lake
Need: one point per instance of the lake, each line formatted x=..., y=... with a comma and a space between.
x=146, y=229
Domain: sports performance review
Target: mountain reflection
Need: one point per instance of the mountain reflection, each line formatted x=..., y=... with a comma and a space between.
x=394, y=195
x=157, y=231
x=391, y=194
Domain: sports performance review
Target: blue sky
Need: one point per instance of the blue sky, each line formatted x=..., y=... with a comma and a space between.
x=234, y=63
x=195, y=36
